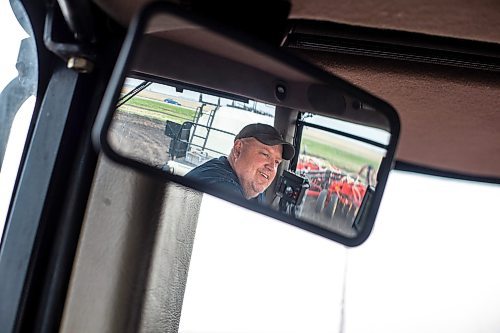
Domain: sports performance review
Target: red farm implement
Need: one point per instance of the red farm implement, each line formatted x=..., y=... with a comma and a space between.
x=331, y=190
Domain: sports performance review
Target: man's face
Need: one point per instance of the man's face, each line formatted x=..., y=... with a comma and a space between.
x=255, y=164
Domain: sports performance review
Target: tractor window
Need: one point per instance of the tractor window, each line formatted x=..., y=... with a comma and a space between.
x=18, y=78
x=339, y=168
x=250, y=273
x=429, y=266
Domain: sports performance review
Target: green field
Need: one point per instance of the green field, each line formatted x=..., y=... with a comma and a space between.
x=340, y=158
x=157, y=110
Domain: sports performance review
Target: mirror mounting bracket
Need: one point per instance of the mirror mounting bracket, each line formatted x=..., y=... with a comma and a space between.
x=78, y=55
x=271, y=25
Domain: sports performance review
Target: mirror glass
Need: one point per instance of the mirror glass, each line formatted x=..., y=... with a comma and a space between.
x=176, y=130
x=187, y=94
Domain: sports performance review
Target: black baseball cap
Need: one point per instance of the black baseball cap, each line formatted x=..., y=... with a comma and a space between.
x=267, y=135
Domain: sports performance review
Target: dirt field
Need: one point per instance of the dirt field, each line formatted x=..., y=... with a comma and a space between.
x=140, y=139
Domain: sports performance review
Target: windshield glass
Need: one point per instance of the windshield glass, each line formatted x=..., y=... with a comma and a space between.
x=18, y=80
x=429, y=266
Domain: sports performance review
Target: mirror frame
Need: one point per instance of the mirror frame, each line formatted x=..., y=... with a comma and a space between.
x=122, y=67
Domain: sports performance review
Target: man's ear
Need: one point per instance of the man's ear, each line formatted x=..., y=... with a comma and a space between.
x=237, y=148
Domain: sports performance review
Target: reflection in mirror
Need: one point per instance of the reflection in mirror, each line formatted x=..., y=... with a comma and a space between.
x=181, y=104
x=191, y=127
x=340, y=170
x=176, y=130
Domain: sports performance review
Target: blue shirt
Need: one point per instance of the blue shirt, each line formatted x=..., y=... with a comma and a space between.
x=219, y=174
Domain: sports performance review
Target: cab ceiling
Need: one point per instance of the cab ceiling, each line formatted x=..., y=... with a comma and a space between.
x=450, y=117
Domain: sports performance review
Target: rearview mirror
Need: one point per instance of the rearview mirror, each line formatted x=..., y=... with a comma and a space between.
x=182, y=90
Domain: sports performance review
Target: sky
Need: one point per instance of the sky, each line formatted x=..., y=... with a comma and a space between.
x=430, y=265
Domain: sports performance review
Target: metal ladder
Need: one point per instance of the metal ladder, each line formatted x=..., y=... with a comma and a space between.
x=202, y=131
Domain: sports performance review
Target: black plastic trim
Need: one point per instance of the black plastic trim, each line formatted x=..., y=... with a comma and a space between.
x=411, y=167
x=23, y=224
x=78, y=15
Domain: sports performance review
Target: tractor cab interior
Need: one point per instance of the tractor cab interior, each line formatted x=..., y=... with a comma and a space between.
x=106, y=233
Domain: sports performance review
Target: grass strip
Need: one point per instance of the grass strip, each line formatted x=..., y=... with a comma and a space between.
x=337, y=157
